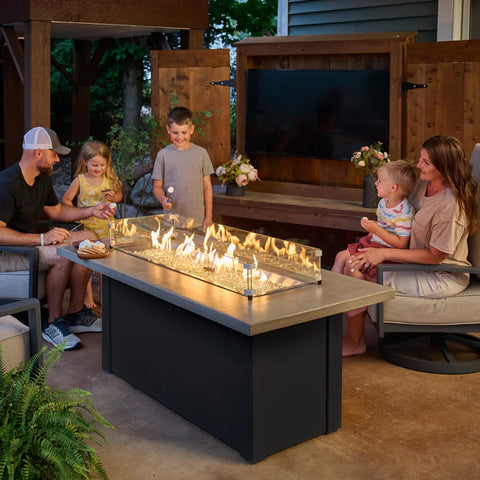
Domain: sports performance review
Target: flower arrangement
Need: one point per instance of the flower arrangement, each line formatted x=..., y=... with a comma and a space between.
x=370, y=158
x=239, y=170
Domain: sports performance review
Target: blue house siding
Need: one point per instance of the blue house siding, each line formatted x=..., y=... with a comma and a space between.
x=312, y=17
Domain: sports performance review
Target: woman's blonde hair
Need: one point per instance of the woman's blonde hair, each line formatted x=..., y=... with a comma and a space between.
x=93, y=149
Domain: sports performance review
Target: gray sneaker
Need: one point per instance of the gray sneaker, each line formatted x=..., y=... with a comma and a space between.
x=58, y=332
x=83, y=321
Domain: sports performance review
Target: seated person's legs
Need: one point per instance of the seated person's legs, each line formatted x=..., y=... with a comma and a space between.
x=62, y=272
x=353, y=342
x=80, y=317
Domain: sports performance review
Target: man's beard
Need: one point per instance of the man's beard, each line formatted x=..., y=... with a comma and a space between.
x=47, y=170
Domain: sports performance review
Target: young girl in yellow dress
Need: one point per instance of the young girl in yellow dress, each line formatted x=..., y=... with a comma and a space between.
x=95, y=182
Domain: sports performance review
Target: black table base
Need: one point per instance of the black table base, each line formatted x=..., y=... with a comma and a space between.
x=259, y=394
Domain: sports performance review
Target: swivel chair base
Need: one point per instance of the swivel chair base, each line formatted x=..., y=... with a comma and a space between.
x=447, y=353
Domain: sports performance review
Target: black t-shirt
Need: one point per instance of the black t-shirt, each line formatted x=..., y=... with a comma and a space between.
x=21, y=204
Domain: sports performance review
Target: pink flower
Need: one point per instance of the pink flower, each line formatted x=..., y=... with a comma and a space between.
x=241, y=180
x=252, y=174
x=365, y=149
x=244, y=168
x=379, y=155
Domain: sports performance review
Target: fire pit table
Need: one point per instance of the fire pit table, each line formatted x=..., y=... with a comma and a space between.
x=261, y=375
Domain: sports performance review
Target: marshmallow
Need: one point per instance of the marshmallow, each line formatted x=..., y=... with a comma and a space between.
x=112, y=205
x=85, y=244
x=170, y=190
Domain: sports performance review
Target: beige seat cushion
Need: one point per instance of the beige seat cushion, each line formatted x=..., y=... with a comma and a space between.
x=461, y=309
x=14, y=341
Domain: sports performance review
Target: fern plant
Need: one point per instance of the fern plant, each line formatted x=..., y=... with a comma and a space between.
x=43, y=432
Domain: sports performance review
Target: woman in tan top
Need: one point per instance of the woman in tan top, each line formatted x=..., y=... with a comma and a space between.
x=445, y=201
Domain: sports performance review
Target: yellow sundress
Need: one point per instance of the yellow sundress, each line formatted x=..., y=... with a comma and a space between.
x=89, y=195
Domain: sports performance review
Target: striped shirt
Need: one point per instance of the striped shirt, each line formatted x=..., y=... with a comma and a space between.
x=396, y=220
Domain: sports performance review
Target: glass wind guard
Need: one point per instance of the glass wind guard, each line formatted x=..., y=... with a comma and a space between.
x=247, y=263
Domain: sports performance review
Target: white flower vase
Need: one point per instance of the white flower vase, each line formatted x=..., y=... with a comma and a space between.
x=370, y=199
x=233, y=190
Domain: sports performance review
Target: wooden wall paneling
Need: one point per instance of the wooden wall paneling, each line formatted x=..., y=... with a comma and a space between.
x=316, y=62
x=451, y=71
x=308, y=170
x=213, y=98
x=162, y=84
x=471, y=134
x=192, y=58
x=37, y=74
x=416, y=112
x=183, y=78
x=449, y=98
x=430, y=127
x=297, y=63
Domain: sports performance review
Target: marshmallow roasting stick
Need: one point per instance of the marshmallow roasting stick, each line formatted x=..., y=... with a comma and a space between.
x=75, y=227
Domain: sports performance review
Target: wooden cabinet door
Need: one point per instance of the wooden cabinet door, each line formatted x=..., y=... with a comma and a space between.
x=450, y=104
x=183, y=78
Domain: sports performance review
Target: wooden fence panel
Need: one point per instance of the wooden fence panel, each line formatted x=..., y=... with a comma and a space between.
x=450, y=103
x=183, y=78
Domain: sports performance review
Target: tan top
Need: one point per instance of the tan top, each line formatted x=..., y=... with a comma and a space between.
x=439, y=223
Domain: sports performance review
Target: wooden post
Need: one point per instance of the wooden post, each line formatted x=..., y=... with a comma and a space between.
x=12, y=110
x=191, y=39
x=37, y=74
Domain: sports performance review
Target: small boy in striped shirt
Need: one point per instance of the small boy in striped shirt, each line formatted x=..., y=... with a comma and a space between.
x=394, y=217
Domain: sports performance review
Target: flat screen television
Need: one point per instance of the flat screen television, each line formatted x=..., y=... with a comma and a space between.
x=316, y=113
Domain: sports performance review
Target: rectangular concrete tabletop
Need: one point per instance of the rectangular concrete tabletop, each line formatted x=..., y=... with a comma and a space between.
x=336, y=294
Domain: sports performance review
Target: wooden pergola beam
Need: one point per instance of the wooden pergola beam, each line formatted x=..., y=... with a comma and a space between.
x=15, y=48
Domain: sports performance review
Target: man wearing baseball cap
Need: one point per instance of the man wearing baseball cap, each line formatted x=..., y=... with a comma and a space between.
x=26, y=191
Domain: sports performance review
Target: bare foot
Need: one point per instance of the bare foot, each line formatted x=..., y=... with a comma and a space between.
x=89, y=302
x=350, y=348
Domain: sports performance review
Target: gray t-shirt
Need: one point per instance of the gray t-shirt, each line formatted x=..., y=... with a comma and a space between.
x=184, y=170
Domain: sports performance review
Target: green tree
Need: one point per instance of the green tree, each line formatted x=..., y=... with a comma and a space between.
x=233, y=20
x=120, y=86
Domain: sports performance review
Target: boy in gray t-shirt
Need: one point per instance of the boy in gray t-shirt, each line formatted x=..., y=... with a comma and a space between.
x=181, y=175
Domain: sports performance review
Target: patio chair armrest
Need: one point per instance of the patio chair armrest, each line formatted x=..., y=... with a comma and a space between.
x=421, y=267
x=32, y=306
x=33, y=257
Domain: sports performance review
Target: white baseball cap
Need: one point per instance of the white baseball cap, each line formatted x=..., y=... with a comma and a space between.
x=44, y=139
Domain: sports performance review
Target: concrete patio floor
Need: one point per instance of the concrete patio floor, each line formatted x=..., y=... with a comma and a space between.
x=396, y=424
